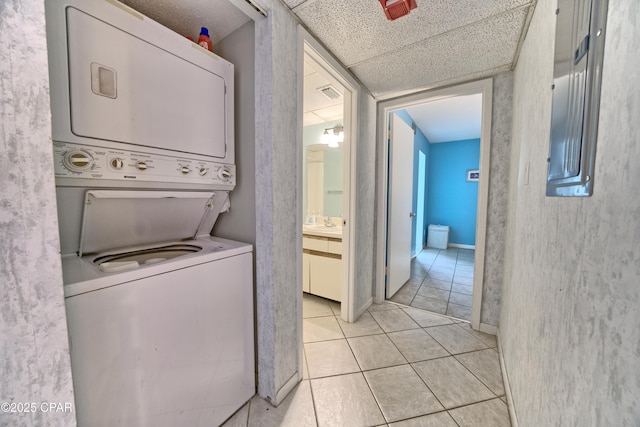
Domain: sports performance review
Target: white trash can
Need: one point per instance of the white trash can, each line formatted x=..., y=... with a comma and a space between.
x=438, y=236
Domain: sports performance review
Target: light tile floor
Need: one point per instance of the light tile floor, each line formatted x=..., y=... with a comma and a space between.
x=441, y=282
x=396, y=366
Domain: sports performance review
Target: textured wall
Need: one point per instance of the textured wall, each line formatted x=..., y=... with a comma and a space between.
x=277, y=287
x=365, y=201
x=34, y=348
x=498, y=198
x=569, y=320
x=238, y=224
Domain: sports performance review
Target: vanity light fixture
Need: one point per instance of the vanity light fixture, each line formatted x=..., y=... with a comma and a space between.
x=333, y=138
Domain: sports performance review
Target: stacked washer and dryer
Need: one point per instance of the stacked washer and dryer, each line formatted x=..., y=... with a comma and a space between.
x=160, y=312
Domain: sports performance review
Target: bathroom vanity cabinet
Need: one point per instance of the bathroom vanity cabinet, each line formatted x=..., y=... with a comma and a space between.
x=322, y=264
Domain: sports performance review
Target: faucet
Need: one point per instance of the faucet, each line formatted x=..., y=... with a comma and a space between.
x=328, y=222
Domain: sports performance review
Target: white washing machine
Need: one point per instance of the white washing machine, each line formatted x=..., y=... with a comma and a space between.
x=160, y=314
x=161, y=333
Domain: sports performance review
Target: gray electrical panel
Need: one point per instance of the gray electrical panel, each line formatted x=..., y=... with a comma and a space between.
x=577, y=76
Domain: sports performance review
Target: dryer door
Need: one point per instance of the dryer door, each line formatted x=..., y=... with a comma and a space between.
x=123, y=88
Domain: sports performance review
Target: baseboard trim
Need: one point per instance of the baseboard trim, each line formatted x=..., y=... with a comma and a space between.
x=461, y=246
x=488, y=329
x=286, y=389
x=507, y=387
x=364, y=308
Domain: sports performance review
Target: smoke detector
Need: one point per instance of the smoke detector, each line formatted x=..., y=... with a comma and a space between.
x=395, y=9
x=330, y=92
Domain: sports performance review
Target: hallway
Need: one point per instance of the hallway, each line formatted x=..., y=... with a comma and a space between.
x=396, y=365
x=441, y=282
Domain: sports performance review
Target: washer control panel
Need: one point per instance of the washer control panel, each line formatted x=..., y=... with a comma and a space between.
x=77, y=161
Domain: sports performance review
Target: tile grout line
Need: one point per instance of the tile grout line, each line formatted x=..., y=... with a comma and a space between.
x=313, y=399
x=364, y=376
x=413, y=368
x=432, y=413
x=408, y=363
x=477, y=377
x=467, y=352
x=450, y=354
x=248, y=410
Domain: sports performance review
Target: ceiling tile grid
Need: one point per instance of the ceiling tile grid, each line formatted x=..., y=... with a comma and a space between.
x=441, y=42
x=317, y=107
x=357, y=30
x=485, y=47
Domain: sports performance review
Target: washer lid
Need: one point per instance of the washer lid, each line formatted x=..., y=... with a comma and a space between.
x=117, y=219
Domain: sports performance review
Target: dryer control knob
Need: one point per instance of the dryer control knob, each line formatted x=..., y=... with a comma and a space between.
x=224, y=173
x=185, y=170
x=141, y=166
x=117, y=163
x=77, y=160
x=203, y=171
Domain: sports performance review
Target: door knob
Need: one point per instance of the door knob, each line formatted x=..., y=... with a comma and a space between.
x=412, y=214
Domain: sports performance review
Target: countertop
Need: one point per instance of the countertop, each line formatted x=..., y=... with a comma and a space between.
x=322, y=231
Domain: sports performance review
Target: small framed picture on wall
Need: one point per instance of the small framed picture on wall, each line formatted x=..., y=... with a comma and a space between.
x=473, y=175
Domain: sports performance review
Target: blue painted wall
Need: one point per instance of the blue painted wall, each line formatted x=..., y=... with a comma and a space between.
x=420, y=143
x=452, y=200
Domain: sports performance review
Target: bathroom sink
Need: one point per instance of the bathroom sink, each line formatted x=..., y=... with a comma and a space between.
x=318, y=226
x=322, y=230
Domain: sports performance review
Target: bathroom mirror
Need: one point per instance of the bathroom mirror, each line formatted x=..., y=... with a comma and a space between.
x=323, y=180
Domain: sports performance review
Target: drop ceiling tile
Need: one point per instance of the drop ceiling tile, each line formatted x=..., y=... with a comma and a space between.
x=313, y=98
x=185, y=18
x=330, y=113
x=309, y=119
x=451, y=119
x=482, y=49
x=308, y=67
x=357, y=30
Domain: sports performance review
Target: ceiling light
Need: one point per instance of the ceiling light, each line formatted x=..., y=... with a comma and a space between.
x=333, y=138
x=326, y=138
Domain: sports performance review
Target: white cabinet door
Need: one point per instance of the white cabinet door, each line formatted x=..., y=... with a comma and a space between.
x=326, y=277
x=305, y=272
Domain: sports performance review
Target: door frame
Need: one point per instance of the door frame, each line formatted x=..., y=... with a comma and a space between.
x=323, y=59
x=420, y=210
x=484, y=87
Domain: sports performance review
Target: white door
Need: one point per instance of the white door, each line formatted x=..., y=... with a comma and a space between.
x=400, y=198
x=422, y=179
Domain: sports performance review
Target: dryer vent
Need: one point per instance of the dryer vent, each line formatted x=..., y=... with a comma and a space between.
x=395, y=9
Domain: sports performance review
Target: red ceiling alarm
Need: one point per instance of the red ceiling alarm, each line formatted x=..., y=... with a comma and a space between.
x=395, y=9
